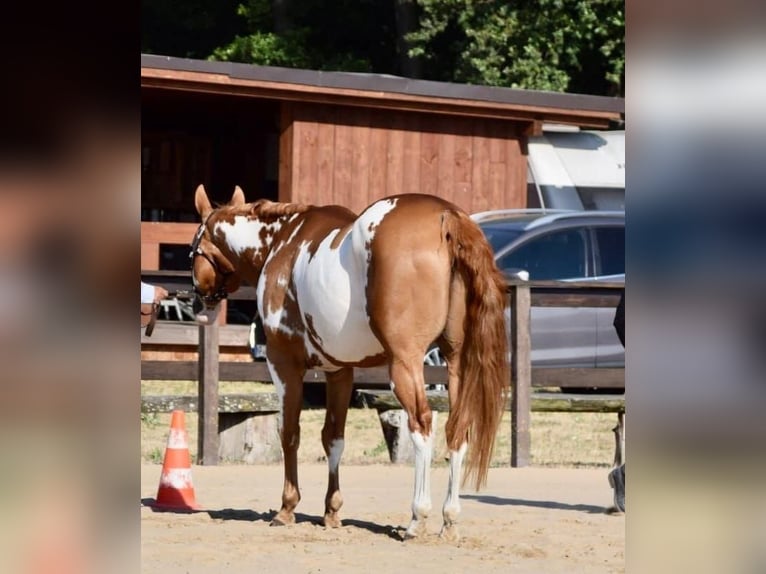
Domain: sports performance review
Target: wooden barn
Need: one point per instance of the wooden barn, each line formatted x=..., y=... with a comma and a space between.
x=330, y=137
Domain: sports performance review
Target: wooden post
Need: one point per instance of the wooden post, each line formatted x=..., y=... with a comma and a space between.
x=207, y=438
x=619, y=440
x=521, y=374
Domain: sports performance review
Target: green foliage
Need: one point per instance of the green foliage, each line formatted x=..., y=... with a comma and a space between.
x=304, y=38
x=187, y=28
x=557, y=45
x=265, y=48
x=151, y=420
x=155, y=456
x=378, y=450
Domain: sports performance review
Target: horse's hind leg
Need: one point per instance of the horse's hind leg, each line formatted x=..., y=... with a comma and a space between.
x=288, y=380
x=451, y=344
x=339, y=387
x=457, y=446
x=409, y=387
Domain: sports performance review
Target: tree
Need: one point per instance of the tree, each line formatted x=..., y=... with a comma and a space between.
x=558, y=45
x=187, y=28
x=350, y=35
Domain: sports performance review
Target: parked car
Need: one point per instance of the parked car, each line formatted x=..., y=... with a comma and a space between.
x=563, y=245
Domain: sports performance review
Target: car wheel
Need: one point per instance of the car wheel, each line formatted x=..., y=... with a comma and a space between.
x=434, y=358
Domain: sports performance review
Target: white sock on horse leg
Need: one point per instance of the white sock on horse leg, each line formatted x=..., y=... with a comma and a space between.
x=451, y=508
x=421, y=502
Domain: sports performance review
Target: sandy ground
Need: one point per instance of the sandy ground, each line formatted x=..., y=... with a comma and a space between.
x=530, y=520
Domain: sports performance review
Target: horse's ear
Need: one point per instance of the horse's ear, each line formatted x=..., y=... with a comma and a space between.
x=238, y=197
x=201, y=202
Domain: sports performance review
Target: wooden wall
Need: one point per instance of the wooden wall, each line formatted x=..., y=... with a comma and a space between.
x=352, y=156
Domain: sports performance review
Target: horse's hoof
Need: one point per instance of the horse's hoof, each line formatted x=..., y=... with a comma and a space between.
x=331, y=521
x=282, y=520
x=450, y=533
x=416, y=529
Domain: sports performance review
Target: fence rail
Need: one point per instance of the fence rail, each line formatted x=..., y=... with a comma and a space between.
x=208, y=371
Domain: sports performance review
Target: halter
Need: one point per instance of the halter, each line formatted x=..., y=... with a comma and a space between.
x=196, y=250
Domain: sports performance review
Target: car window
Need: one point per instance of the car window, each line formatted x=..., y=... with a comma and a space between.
x=610, y=243
x=553, y=256
x=499, y=236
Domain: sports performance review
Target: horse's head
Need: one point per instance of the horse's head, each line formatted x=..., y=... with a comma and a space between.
x=214, y=274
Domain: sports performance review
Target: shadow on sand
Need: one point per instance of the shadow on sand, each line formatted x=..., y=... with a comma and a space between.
x=498, y=501
x=248, y=515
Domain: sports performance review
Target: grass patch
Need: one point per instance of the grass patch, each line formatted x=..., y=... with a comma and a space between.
x=557, y=439
x=190, y=387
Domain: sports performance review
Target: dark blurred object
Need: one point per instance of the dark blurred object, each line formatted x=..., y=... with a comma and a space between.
x=619, y=318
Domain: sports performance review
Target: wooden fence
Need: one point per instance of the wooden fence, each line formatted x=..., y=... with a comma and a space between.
x=208, y=370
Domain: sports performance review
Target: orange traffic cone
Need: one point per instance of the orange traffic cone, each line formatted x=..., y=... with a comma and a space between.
x=176, y=491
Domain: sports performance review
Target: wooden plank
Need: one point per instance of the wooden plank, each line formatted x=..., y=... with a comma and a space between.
x=286, y=152
x=257, y=371
x=521, y=376
x=342, y=194
x=479, y=170
x=212, y=83
x=306, y=157
x=496, y=183
x=612, y=378
x=327, y=118
x=572, y=403
x=384, y=400
x=187, y=333
x=395, y=155
x=150, y=255
x=250, y=402
x=360, y=159
x=542, y=298
x=166, y=232
x=463, y=168
x=498, y=164
x=229, y=403
x=515, y=190
x=187, y=371
x=429, y=159
x=411, y=156
x=378, y=157
x=207, y=438
x=445, y=179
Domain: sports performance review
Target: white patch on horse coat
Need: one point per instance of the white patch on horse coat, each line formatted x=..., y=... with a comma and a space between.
x=421, y=503
x=244, y=233
x=272, y=318
x=451, y=508
x=336, y=451
x=331, y=288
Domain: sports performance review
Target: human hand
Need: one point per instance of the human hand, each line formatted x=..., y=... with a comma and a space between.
x=160, y=293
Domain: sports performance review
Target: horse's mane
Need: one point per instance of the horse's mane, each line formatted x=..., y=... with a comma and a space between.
x=266, y=209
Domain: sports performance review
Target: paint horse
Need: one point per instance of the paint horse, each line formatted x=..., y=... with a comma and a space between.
x=336, y=291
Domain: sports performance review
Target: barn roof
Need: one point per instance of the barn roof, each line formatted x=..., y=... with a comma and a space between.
x=380, y=91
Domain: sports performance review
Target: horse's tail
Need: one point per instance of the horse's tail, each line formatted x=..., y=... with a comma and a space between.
x=484, y=369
